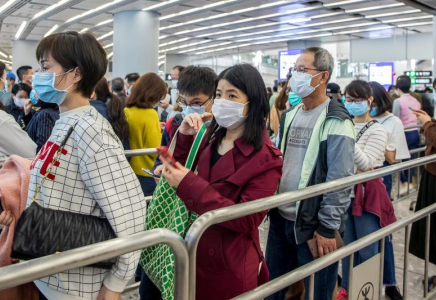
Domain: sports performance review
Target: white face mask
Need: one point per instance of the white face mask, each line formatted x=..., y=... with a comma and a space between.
x=174, y=83
x=300, y=83
x=19, y=102
x=228, y=114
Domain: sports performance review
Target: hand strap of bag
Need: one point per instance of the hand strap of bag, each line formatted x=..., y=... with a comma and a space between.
x=195, y=145
x=364, y=129
x=55, y=159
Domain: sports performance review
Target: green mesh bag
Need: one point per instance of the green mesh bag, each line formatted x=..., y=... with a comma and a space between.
x=167, y=210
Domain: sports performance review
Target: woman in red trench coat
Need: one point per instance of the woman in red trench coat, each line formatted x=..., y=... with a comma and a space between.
x=237, y=164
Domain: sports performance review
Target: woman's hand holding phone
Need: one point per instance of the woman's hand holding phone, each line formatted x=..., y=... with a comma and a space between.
x=193, y=122
x=173, y=172
x=422, y=116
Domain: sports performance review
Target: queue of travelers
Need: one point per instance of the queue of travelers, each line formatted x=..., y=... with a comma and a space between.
x=75, y=126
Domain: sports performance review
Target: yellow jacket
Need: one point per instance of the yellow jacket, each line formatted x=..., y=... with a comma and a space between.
x=145, y=132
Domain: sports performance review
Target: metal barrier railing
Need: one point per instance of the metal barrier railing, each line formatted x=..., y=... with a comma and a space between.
x=349, y=250
x=138, y=152
x=28, y=271
x=244, y=209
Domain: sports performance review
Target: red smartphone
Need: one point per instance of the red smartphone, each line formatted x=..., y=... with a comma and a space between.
x=164, y=152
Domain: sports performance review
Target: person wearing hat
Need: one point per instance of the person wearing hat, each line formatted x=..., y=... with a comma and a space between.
x=334, y=91
x=6, y=98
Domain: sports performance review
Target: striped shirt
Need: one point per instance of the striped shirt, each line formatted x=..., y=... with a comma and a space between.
x=39, y=124
x=370, y=149
x=91, y=177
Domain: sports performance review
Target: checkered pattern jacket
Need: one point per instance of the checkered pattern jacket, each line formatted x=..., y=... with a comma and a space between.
x=91, y=177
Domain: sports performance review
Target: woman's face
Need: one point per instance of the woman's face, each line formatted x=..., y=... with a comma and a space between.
x=226, y=90
x=64, y=78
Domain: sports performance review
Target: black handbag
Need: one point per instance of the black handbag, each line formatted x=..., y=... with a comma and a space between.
x=42, y=231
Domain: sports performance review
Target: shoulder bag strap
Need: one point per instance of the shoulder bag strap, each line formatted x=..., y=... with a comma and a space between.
x=364, y=129
x=55, y=159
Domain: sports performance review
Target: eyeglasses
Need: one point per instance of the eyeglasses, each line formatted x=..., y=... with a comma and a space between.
x=183, y=104
x=351, y=100
x=304, y=70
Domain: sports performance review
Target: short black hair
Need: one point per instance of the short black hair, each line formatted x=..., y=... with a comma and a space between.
x=2, y=68
x=180, y=68
x=22, y=70
x=21, y=87
x=434, y=83
x=247, y=78
x=392, y=87
x=381, y=98
x=195, y=80
x=117, y=84
x=359, y=89
x=404, y=83
x=333, y=88
x=132, y=77
x=275, y=88
x=72, y=50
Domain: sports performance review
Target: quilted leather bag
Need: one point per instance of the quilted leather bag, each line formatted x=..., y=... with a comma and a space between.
x=167, y=210
x=42, y=231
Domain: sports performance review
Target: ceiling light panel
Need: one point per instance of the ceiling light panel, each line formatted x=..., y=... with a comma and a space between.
x=20, y=30
x=236, y=12
x=51, y=30
x=159, y=5
x=393, y=14
x=196, y=9
x=407, y=19
x=359, y=10
x=91, y=11
x=50, y=8
x=7, y=5
x=414, y=24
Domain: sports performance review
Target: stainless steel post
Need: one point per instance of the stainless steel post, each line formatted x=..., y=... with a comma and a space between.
x=427, y=253
x=406, y=259
x=312, y=287
x=382, y=262
x=350, y=276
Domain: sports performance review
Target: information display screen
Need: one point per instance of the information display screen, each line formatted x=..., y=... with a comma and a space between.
x=382, y=73
x=287, y=59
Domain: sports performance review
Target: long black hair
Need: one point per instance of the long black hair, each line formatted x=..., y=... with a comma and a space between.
x=247, y=78
x=115, y=109
x=381, y=98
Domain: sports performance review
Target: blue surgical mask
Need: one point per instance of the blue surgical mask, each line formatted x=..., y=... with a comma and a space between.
x=187, y=110
x=300, y=83
x=43, y=84
x=373, y=112
x=343, y=99
x=33, y=97
x=357, y=108
x=293, y=99
x=5, y=90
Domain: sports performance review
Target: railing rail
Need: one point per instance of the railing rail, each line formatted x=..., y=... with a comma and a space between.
x=240, y=210
x=319, y=264
x=28, y=271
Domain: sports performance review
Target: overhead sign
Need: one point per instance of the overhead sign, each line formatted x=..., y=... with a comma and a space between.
x=287, y=59
x=382, y=73
x=419, y=73
x=421, y=81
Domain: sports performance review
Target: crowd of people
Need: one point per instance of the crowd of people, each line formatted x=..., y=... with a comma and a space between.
x=75, y=125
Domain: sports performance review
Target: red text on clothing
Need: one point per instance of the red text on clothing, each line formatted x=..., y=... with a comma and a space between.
x=47, y=154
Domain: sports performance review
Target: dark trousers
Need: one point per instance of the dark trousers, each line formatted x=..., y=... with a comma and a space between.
x=412, y=138
x=283, y=255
